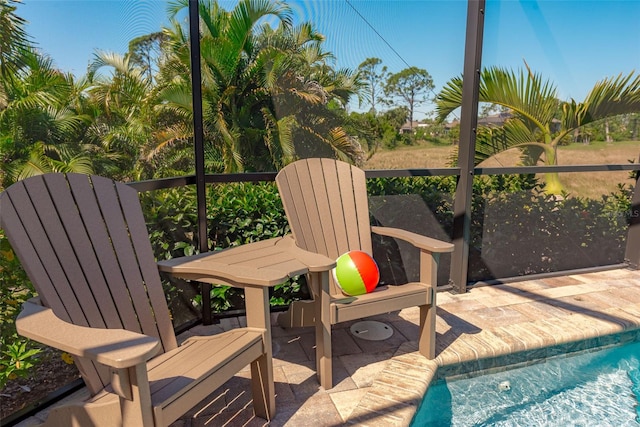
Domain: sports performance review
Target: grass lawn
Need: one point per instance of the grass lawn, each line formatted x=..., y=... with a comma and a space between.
x=592, y=184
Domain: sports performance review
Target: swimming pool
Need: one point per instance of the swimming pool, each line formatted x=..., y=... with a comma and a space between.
x=594, y=388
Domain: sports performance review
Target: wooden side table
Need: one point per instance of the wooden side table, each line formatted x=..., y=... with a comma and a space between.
x=255, y=267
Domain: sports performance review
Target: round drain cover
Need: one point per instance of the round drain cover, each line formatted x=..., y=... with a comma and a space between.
x=371, y=330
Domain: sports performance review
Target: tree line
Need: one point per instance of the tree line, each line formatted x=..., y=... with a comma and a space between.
x=271, y=93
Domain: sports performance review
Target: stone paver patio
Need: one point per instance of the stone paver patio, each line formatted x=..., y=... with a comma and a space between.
x=381, y=383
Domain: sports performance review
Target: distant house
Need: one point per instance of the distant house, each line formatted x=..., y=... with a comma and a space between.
x=451, y=125
x=494, y=119
x=410, y=127
x=501, y=118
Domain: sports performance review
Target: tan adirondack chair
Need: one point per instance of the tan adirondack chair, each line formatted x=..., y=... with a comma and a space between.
x=326, y=204
x=84, y=244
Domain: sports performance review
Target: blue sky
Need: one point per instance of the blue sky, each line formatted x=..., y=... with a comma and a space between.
x=573, y=43
x=71, y=30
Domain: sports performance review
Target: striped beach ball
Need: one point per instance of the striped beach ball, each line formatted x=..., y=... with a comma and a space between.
x=356, y=273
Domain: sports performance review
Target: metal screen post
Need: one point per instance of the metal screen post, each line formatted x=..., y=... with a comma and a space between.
x=632, y=251
x=466, y=152
x=198, y=145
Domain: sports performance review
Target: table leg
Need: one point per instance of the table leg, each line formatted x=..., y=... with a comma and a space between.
x=205, y=291
x=262, y=386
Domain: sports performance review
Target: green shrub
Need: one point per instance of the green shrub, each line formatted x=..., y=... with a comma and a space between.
x=242, y=213
x=533, y=232
x=517, y=229
x=17, y=360
x=17, y=354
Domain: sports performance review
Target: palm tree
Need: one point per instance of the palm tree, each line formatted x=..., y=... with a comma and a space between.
x=14, y=43
x=534, y=104
x=44, y=158
x=126, y=122
x=40, y=130
x=39, y=126
x=309, y=95
x=251, y=73
x=232, y=69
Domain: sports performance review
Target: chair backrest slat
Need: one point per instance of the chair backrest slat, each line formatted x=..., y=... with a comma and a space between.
x=361, y=199
x=83, y=242
x=89, y=213
x=329, y=218
x=92, y=276
x=294, y=205
x=35, y=211
x=124, y=251
x=355, y=205
x=146, y=262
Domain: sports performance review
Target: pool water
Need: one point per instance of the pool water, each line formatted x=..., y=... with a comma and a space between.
x=597, y=388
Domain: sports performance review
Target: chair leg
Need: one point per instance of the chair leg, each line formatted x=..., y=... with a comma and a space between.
x=262, y=388
x=427, y=338
x=299, y=315
x=324, y=367
x=138, y=411
x=428, y=275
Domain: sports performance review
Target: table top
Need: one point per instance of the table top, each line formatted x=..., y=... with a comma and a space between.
x=264, y=263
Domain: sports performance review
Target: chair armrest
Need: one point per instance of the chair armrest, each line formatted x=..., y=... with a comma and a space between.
x=417, y=240
x=315, y=262
x=222, y=273
x=117, y=348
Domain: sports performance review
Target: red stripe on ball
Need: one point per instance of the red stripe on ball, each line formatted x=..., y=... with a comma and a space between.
x=367, y=268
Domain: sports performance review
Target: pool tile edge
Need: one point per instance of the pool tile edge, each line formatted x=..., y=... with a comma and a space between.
x=396, y=393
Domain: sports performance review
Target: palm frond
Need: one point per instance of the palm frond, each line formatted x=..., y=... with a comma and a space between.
x=449, y=99
x=167, y=138
x=493, y=140
x=286, y=127
x=15, y=42
x=609, y=97
x=247, y=13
